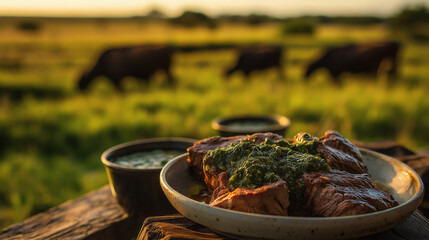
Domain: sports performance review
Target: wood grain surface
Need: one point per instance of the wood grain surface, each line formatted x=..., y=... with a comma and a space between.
x=93, y=216
x=175, y=227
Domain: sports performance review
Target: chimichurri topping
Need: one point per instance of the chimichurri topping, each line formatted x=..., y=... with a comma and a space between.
x=305, y=143
x=253, y=165
x=151, y=158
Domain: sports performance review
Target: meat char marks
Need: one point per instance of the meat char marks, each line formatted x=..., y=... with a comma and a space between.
x=337, y=150
x=338, y=193
x=340, y=153
x=347, y=189
x=340, y=160
x=335, y=140
x=197, y=152
x=272, y=199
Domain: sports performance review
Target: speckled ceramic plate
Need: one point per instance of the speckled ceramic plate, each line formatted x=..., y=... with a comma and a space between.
x=407, y=190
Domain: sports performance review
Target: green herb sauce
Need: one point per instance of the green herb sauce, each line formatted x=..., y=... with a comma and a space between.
x=152, y=158
x=305, y=143
x=253, y=165
x=247, y=124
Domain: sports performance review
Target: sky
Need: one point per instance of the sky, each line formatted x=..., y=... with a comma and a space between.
x=280, y=8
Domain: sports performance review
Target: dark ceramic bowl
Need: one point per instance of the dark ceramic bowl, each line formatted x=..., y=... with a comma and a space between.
x=138, y=190
x=244, y=125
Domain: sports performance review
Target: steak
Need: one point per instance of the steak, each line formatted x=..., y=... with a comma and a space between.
x=335, y=140
x=197, y=152
x=222, y=186
x=338, y=152
x=338, y=193
x=270, y=199
x=337, y=159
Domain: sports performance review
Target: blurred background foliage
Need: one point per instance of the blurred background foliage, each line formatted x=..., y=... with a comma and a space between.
x=412, y=21
x=52, y=136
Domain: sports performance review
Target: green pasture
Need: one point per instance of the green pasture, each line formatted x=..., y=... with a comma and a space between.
x=52, y=136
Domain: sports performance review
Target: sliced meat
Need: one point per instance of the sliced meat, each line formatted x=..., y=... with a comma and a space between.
x=338, y=193
x=197, y=152
x=336, y=140
x=272, y=199
x=215, y=179
x=338, y=152
x=337, y=159
x=222, y=186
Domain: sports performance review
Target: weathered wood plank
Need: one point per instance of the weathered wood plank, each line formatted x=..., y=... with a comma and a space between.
x=175, y=227
x=414, y=227
x=93, y=216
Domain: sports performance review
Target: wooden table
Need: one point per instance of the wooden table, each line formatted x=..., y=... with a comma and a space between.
x=96, y=215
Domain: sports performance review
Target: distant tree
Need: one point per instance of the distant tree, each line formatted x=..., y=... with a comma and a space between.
x=251, y=19
x=411, y=16
x=193, y=19
x=412, y=21
x=28, y=26
x=155, y=13
x=230, y=18
x=257, y=19
x=350, y=20
x=299, y=26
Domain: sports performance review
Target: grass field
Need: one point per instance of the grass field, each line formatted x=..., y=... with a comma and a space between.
x=52, y=136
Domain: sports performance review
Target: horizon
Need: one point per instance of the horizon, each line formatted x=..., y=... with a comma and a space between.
x=275, y=8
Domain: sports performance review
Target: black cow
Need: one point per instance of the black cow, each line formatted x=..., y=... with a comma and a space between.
x=137, y=61
x=365, y=58
x=257, y=58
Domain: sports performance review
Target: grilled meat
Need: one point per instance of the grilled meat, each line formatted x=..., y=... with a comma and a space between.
x=338, y=193
x=336, y=150
x=335, y=140
x=197, y=152
x=270, y=199
x=337, y=159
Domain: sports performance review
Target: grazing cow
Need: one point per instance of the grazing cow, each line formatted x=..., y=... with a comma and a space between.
x=257, y=58
x=137, y=61
x=365, y=58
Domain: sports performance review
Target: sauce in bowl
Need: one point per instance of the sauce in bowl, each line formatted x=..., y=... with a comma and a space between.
x=246, y=124
x=145, y=159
